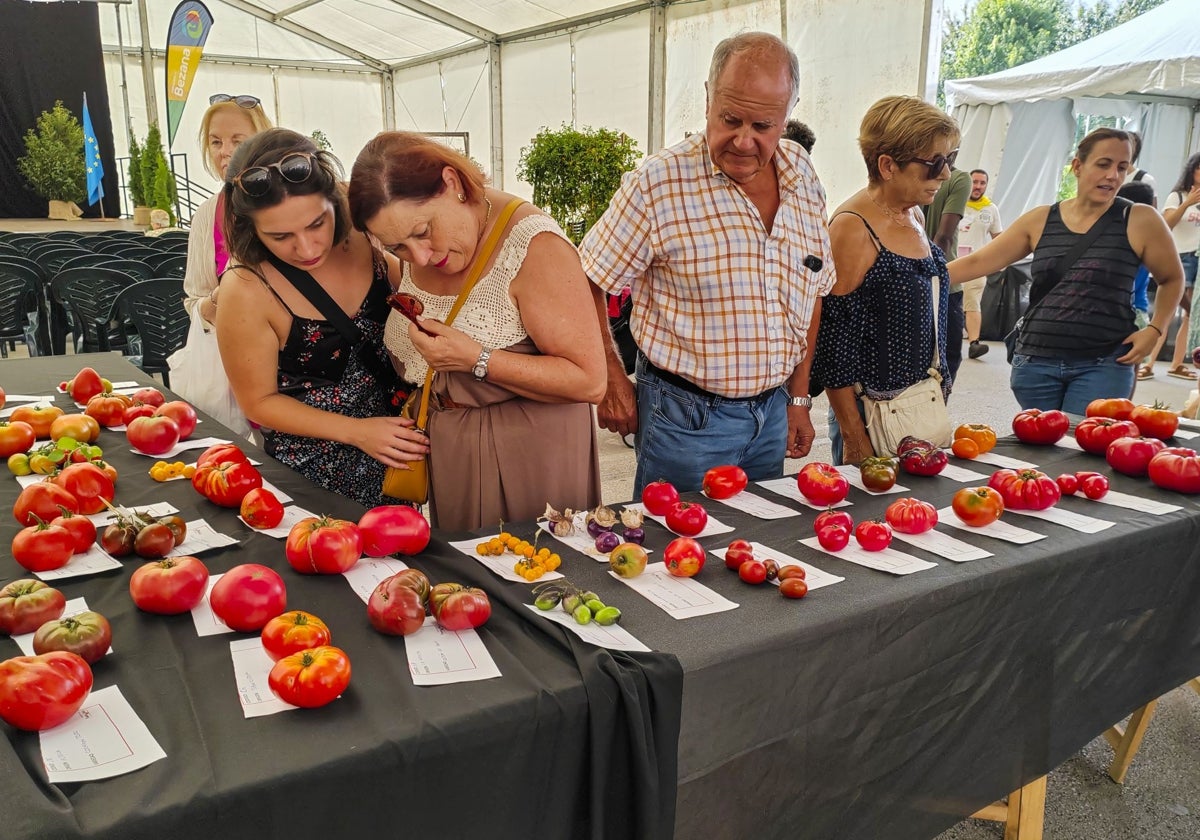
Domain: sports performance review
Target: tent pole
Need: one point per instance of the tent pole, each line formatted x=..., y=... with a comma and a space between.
x=147, y=65
x=124, y=79
x=656, y=118
x=388, y=80
x=497, y=116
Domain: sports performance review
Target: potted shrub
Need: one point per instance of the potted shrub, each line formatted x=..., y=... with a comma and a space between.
x=137, y=185
x=158, y=182
x=53, y=162
x=574, y=173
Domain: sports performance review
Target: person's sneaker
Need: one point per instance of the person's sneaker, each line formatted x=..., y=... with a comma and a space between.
x=977, y=349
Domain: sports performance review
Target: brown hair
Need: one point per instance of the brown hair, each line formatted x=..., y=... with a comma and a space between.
x=1097, y=135
x=901, y=127
x=256, y=115
x=271, y=146
x=403, y=165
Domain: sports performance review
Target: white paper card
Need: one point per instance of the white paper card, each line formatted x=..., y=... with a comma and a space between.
x=613, y=637
x=105, y=738
x=713, y=527
x=183, y=446
x=369, y=572
x=251, y=668
x=291, y=515
x=1004, y=462
x=678, y=597
x=92, y=561
x=999, y=529
x=206, y=621
x=501, y=566
x=106, y=517
x=814, y=577
x=1183, y=434
x=437, y=656
x=961, y=474
x=283, y=497
x=1069, y=442
x=758, y=506
x=1124, y=500
x=29, y=480
x=854, y=475
x=73, y=607
x=943, y=545
x=787, y=486
x=45, y=398
x=889, y=560
x=200, y=537
x=1069, y=519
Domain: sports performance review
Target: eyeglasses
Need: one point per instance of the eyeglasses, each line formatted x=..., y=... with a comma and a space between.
x=245, y=100
x=295, y=168
x=938, y=163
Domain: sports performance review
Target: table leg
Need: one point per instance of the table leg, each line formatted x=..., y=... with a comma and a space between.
x=1126, y=740
x=1022, y=814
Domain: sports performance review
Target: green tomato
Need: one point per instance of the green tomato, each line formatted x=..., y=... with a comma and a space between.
x=582, y=614
x=607, y=616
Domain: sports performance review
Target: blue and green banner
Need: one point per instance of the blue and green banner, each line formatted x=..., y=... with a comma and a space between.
x=186, y=35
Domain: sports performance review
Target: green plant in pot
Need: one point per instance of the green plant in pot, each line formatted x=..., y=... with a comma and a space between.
x=53, y=162
x=158, y=182
x=137, y=184
x=575, y=172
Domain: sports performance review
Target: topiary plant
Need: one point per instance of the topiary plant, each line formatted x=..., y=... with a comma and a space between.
x=574, y=173
x=158, y=183
x=53, y=160
x=137, y=186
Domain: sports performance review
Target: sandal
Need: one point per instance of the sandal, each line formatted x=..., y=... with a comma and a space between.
x=1181, y=372
x=1145, y=372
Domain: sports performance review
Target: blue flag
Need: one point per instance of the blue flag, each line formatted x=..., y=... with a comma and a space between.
x=91, y=158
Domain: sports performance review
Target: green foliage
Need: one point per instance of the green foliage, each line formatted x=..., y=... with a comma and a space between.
x=164, y=189
x=137, y=188
x=322, y=142
x=158, y=182
x=574, y=173
x=1067, y=186
x=53, y=160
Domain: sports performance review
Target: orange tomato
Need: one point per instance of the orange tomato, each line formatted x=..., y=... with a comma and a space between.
x=983, y=435
x=965, y=447
x=39, y=418
x=81, y=427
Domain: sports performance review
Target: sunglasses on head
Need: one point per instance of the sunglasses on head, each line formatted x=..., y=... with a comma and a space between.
x=245, y=100
x=938, y=163
x=295, y=168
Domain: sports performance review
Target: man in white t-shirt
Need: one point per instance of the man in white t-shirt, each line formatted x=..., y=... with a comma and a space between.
x=1136, y=174
x=980, y=224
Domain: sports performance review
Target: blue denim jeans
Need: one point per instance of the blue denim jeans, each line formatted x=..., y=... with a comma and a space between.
x=681, y=434
x=1069, y=384
x=835, y=432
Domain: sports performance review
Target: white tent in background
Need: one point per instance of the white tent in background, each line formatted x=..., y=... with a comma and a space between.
x=1019, y=124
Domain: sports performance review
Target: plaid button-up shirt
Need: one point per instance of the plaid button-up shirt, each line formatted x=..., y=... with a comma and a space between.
x=716, y=298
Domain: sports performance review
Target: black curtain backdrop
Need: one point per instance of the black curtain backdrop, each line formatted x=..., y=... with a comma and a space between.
x=50, y=51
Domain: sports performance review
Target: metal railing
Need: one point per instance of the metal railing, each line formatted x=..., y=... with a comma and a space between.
x=189, y=195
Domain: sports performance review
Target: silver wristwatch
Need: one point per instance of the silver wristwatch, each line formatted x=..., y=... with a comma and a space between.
x=481, y=364
x=803, y=402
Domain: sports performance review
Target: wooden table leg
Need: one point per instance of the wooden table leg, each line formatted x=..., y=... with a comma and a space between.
x=1195, y=684
x=1022, y=814
x=1126, y=741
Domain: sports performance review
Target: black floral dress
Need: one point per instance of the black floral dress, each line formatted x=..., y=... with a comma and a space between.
x=318, y=366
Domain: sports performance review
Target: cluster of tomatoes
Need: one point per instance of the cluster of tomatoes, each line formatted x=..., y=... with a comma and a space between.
x=584, y=606
x=739, y=557
x=398, y=605
x=533, y=563
x=163, y=471
x=835, y=527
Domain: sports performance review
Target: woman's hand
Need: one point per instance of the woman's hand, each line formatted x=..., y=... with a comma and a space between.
x=390, y=440
x=1143, y=342
x=447, y=349
x=1192, y=197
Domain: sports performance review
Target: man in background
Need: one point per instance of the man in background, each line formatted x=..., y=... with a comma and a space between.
x=980, y=224
x=941, y=224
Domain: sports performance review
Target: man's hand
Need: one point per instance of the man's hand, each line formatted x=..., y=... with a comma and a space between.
x=801, y=433
x=617, y=412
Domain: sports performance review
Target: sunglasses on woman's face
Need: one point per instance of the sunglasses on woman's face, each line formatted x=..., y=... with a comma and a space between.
x=938, y=163
x=245, y=100
x=295, y=168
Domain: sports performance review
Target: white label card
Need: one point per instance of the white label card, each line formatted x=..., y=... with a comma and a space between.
x=91, y=562
x=251, y=669
x=999, y=529
x=678, y=597
x=943, y=545
x=206, y=621
x=787, y=486
x=200, y=537
x=713, y=527
x=1004, y=462
x=1069, y=442
x=437, y=656
x=1068, y=519
x=183, y=446
x=889, y=560
x=106, y=517
x=854, y=476
x=747, y=502
x=45, y=398
x=613, y=637
x=501, y=566
x=814, y=577
x=369, y=572
x=105, y=738
x=962, y=475
x=1183, y=434
x=1124, y=500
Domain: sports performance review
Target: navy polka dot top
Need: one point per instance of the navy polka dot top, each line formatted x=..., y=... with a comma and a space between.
x=881, y=334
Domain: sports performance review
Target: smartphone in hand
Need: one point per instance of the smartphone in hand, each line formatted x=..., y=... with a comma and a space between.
x=409, y=307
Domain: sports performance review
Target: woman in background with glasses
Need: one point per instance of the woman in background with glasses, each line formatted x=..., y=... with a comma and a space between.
x=877, y=324
x=301, y=320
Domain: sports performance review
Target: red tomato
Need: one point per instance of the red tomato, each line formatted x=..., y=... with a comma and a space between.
x=1095, y=486
x=82, y=529
x=878, y=474
x=138, y=410
x=659, y=497
x=978, y=506
x=724, y=482
x=922, y=460
x=415, y=580
x=311, y=678
x=822, y=484
x=152, y=434
x=226, y=483
x=323, y=546
x=42, y=547
x=396, y=608
x=1094, y=434
x=791, y=571
x=219, y=452
x=873, y=535
x=1068, y=484
x=292, y=632
x=684, y=557
x=39, y=418
x=393, y=529
x=793, y=587
x=87, y=633
x=738, y=552
x=183, y=415
x=753, y=572
x=1117, y=408
x=1025, y=489
x=169, y=586
x=687, y=518
x=43, y=500
x=90, y=486
x=833, y=537
x=1040, y=427
x=1176, y=468
x=261, y=509
x=458, y=607
x=1131, y=456
x=15, y=437
x=25, y=605
x=911, y=516
x=40, y=692
x=1155, y=421
x=149, y=396
x=832, y=516
x=85, y=385
x=248, y=596
x=108, y=409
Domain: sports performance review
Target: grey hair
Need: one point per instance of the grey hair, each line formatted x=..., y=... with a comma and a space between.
x=759, y=41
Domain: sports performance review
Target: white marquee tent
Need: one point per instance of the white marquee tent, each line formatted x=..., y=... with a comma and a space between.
x=1019, y=124
x=501, y=69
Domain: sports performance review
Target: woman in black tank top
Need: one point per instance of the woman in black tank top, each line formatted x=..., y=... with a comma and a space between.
x=1078, y=340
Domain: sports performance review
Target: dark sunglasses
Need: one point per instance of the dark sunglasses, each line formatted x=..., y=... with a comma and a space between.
x=938, y=163
x=245, y=100
x=295, y=168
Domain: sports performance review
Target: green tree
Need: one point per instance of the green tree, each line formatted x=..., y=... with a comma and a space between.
x=53, y=160
x=137, y=185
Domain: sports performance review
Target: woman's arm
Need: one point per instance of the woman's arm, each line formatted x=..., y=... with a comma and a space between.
x=1174, y=214
x=249, y=348
x=200, y=274
x=1014, y=243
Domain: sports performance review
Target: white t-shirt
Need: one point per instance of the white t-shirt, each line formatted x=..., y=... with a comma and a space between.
x=1187, y=232
x=1146, y=178
x=977, y=228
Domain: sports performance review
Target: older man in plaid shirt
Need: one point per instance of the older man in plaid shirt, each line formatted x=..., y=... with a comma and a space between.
x=723, y=241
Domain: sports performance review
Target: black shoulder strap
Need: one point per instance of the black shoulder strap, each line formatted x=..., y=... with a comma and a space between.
x=1139, y=174
x=866, y=224
x=306, y=285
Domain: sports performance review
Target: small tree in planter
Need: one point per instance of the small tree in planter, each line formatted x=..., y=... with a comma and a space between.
x=158, y=183
x=53, y=161
x=574, y=173
x=137, y=184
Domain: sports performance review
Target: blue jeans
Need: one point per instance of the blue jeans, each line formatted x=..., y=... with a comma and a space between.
x=681, y=434
x=835, y=432
x=1069, y=384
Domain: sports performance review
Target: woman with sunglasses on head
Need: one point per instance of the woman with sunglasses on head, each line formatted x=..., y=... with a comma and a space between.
x=878, y=323
x=301, y=317
x=1078, y=340
x=512, y=428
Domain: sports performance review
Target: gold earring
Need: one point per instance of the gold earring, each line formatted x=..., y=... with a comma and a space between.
x=462, y=197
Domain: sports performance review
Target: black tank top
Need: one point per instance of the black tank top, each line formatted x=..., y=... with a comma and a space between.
x=1088, y=313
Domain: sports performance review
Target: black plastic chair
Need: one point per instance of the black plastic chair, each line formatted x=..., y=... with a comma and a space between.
x=65, y=235
x=140, y=252
x=87, y=295
x=26, y=241
x=53, y=259
x=94, y=242
x=155, y=307
x=114, y=245
x=136, y=269
x=171, y=265
x=173, y=236
x=20, y=312
x=86, y=259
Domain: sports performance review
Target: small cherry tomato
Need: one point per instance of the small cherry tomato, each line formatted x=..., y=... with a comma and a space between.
x=739, y=552
x=753, y=572
x=1068, y=484
x=793, y=588
x=965, y=448
x=792, y=571
x=1094, y=486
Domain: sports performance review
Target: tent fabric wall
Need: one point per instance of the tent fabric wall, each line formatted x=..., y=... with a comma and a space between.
x=1040, y=140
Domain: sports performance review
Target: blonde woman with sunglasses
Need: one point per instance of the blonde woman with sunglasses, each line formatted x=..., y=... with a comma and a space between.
x=301, y=319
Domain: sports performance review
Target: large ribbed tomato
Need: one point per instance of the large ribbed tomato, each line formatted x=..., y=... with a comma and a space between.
x=226, y=483
x=323, y=546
